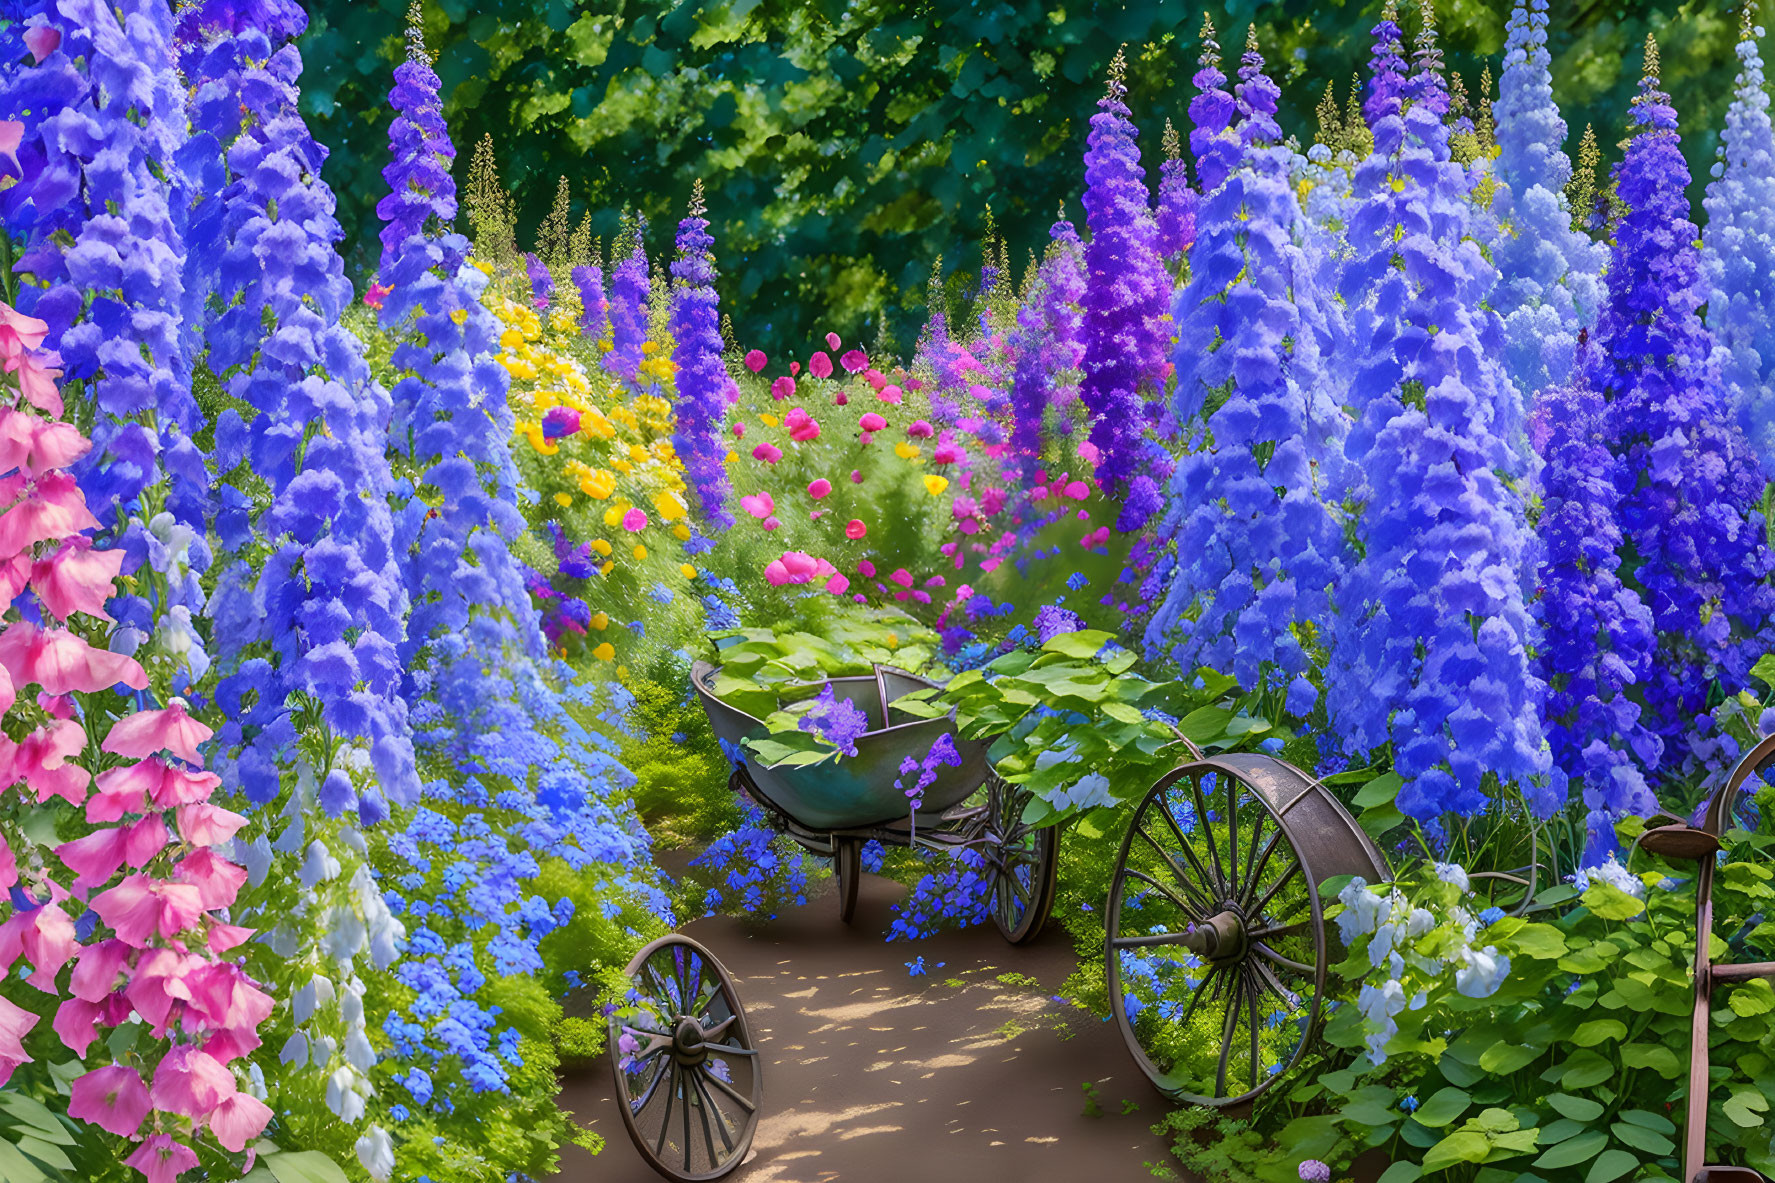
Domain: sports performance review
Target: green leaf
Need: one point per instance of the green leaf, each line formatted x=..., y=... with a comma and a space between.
x=1745, y=1107
x=1460, y=1146
x=304, y=1166
x=1640, y=1138
x=1573, y=1151
x=1611, y=903
x=1380, y=791
x=1379, y=820
x=1585, y=1069
x=1752, y=998
x=32, y=1112
x=1764, y=670
x=1082, y=644
x=1612, y=1165
x=1599, y=1031
x=1540, y=941
x=1401, y=1172
x=40, y=1151
x=1576, y=1108
x=1661, y=1060
x=1649, y=1120
x=1560, y=1130
x=1501, y=1059
x=1444, y=1107
x=16, y=1168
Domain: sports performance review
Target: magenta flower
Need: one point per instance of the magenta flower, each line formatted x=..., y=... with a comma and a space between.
x=755, y=360
x=902, y=576
x=948, y=454
x=112, y=1098
x=854, y=361
x=559, y=422
x=890, y=394
x=161, y=1159
x=833, y=341
x=920, y=429
x=769, y=453
x=801, y=425
x=782, y=388
x=819, y=365
x=759, y=505
x=819, y=488
x=634, y=521
x=873, y=422
x=855, y=529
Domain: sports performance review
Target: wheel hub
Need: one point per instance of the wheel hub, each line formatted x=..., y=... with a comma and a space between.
x=687, y=1041
x=1220, y=938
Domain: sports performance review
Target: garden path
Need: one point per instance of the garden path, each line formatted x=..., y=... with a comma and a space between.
x=874, y=1075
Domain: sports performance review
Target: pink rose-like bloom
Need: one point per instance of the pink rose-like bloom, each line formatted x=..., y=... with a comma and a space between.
x=45, y=936
x=42, y=40
x=819, y=488
x=112, y=1098
x=833, y=341
x=161, y=1159
x=739, y=429
x=873, y=422
x=794, y=367
x=936, y=581
x=759, y=505
x=801, y=425
x=856, y=476
x=755, y=360
x=634, y=521
x=866, y=569
x=902, y=576
x=964, y=507
x=1084, y=515
x=838, y=585
x=772, y=522
x=855, y=529
x=920, y=430
x=1077, y=490
x=992, y=500
x=767, y=452
x=890, y=394
x=140, y=907
x=875, y=378
x=1088, y=452
x=948, y=454
x=782, y=388
x=795, y=567
x=819, y=365
x=854, y=361
x=841, y=399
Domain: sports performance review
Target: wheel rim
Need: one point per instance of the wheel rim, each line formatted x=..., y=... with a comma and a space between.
x=687, y=1074
x=1023, y=860
x=847, y=857
x=1215, y=943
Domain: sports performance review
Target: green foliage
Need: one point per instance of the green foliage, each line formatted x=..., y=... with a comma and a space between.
x=834, y=138
x=680, y=773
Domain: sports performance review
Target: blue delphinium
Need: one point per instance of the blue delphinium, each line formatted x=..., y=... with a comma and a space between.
x=1177, y=201
x=630, y=289
x=1124, y=299
x=1047, y=347
x=594, y=316
x=1431, y=648
x=1689, y=484
x=1597, y=636
x=1549, y=273
x=1738, y=252
x=101, y=229
x=1257, y=550
x=704, y=384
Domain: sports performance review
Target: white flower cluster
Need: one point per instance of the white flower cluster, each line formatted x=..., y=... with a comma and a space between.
x=1401, y=976
x=1612, y=873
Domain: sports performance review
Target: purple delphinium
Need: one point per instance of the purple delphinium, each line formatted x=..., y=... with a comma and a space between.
x=594, y=315
x=328, y=608
x=1688, y=482
x=703, y=380
x=1046, y=346
x=836, y=720
x=1597, y=636
x=1386, y=69
x=1212, y=139
x=1257, y=549
x=1125, y=294
x=1431, y=649
x=421, y=197
x=1549, y=273
x=542, y=284
x=1738, y=252
x=630, y=290
x=1177, y=201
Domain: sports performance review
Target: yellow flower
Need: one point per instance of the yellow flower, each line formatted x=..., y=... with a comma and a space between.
x=600, y=484
x=669, y=506
x=613, y=515
x=460, y=315
x=768, y=420
x=600, y=621
x=605, y=651
x=893, y=640
x=640, y=551
x=934, y=485
x=607, y=568
x=622, y=466
x=637, y=454
x=686, y=570
x=603, y=548
x=681, y=532
x=649, y=347
x=622, y=673
x=563, y=500
x=906, y=451
x=733, y=457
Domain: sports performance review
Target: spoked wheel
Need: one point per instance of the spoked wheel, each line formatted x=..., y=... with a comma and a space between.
x=1216, y=946
x=847, y=860
x=1025, y=860
x=687, y=1073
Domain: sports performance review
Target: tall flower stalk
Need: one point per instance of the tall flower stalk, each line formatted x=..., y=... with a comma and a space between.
x=704, y=386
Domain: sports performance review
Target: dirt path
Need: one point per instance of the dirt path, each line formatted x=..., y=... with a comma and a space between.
x=874, y=1075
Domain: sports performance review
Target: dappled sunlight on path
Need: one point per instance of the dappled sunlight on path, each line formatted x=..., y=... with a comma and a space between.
x=871, y=1074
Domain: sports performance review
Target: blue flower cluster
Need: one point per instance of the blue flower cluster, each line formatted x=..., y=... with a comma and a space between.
x=757, y=870
x=840, y=722
x=629, y=292
x=704, y=385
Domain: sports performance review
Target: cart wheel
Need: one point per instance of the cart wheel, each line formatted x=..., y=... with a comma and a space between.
x=1216, y=946
x=847, y=859
x=687, y=1073
x=1026, y=860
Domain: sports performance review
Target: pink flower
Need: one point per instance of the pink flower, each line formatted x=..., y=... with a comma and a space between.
x=77, y=578
x=191, y=1083
x=772, y=522
x=819, y=488
x=76, y=1023
x=794, y=368
x=112, y=1098
x=15, y=1023
x=838, y=585
x=102, y=853
x=217, y=880
x=45, y=937
x=12, y=134
x=902, y=576
x=948, y=454
x=833, y=341
x=875, y=378
x=992, y=500
x=18, y=332
x=376, y=293
x=1077, y=490
x=769, y=453
x=920, y=429
x=775, y=573
x=964, y=507
x=161, y=1159
x=96, y=969
x=238, y=1120
x=890, y=394
x=147, y=732
x=226, y=998
x=1084, y=515
x=1095, y=538
x=819, y=365
x=755, y=360
x=866, y=569
x=936, y=581
x=8, y=866
x=139, y=907
x=739, y=430
x=51, y=508
x=181, y=786
x=801, y=425
x=759, y=505
x=224, y=937
x=856, y=476
x=42, y=41
x=853, y=361
x=157, y=983
x=841, y=399
x=208, y=825
x=1088, y=452
x=873, y=422
x=41, y=761
x=782, y=388
x=855, y=529
x=634, y=521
